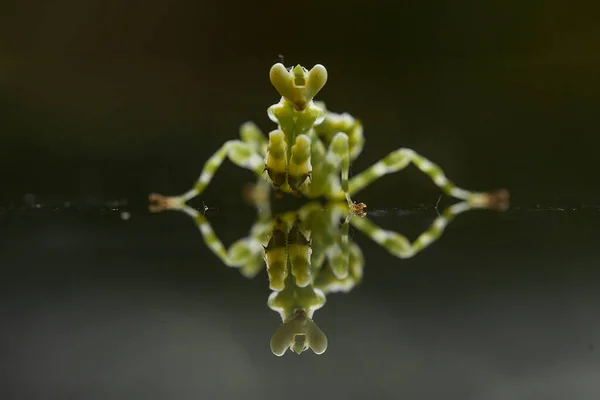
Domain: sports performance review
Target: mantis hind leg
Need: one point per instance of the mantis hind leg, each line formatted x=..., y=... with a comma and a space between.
x=399, y=159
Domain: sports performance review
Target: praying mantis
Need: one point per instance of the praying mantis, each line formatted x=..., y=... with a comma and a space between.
x=307, y=252
x=311, y=150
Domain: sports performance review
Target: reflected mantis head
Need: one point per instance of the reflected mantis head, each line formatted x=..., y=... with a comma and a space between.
x=298, y=334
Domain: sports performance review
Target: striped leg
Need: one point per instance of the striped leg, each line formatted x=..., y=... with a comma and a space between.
x=399, y=159
x=238, y=152
x=338, y=157
x=399, y=245
x=338, y=254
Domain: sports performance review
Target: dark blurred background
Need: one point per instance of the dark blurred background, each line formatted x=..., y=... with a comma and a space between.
x=102, y=102
x=116, y=98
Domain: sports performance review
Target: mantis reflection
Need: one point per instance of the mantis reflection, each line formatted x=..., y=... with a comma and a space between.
x=308, y=254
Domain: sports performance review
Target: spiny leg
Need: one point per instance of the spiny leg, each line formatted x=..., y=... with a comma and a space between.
x=238, y=152
x=276, y=256
x=399, y=159
x=276, y=159
x=299, y=253
x=299, y=167
x=399, y=245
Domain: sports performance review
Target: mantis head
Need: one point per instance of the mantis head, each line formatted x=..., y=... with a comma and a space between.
x=298, y=85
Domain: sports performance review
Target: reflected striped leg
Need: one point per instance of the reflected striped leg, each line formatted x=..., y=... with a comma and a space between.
x=240, y=153
x=399, y=159
x=338, y=252
x=327, y=280
x=245, y=254
x=399, y=245
x=343, y=269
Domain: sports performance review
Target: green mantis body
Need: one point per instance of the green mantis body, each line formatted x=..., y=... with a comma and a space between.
x=311, y=150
